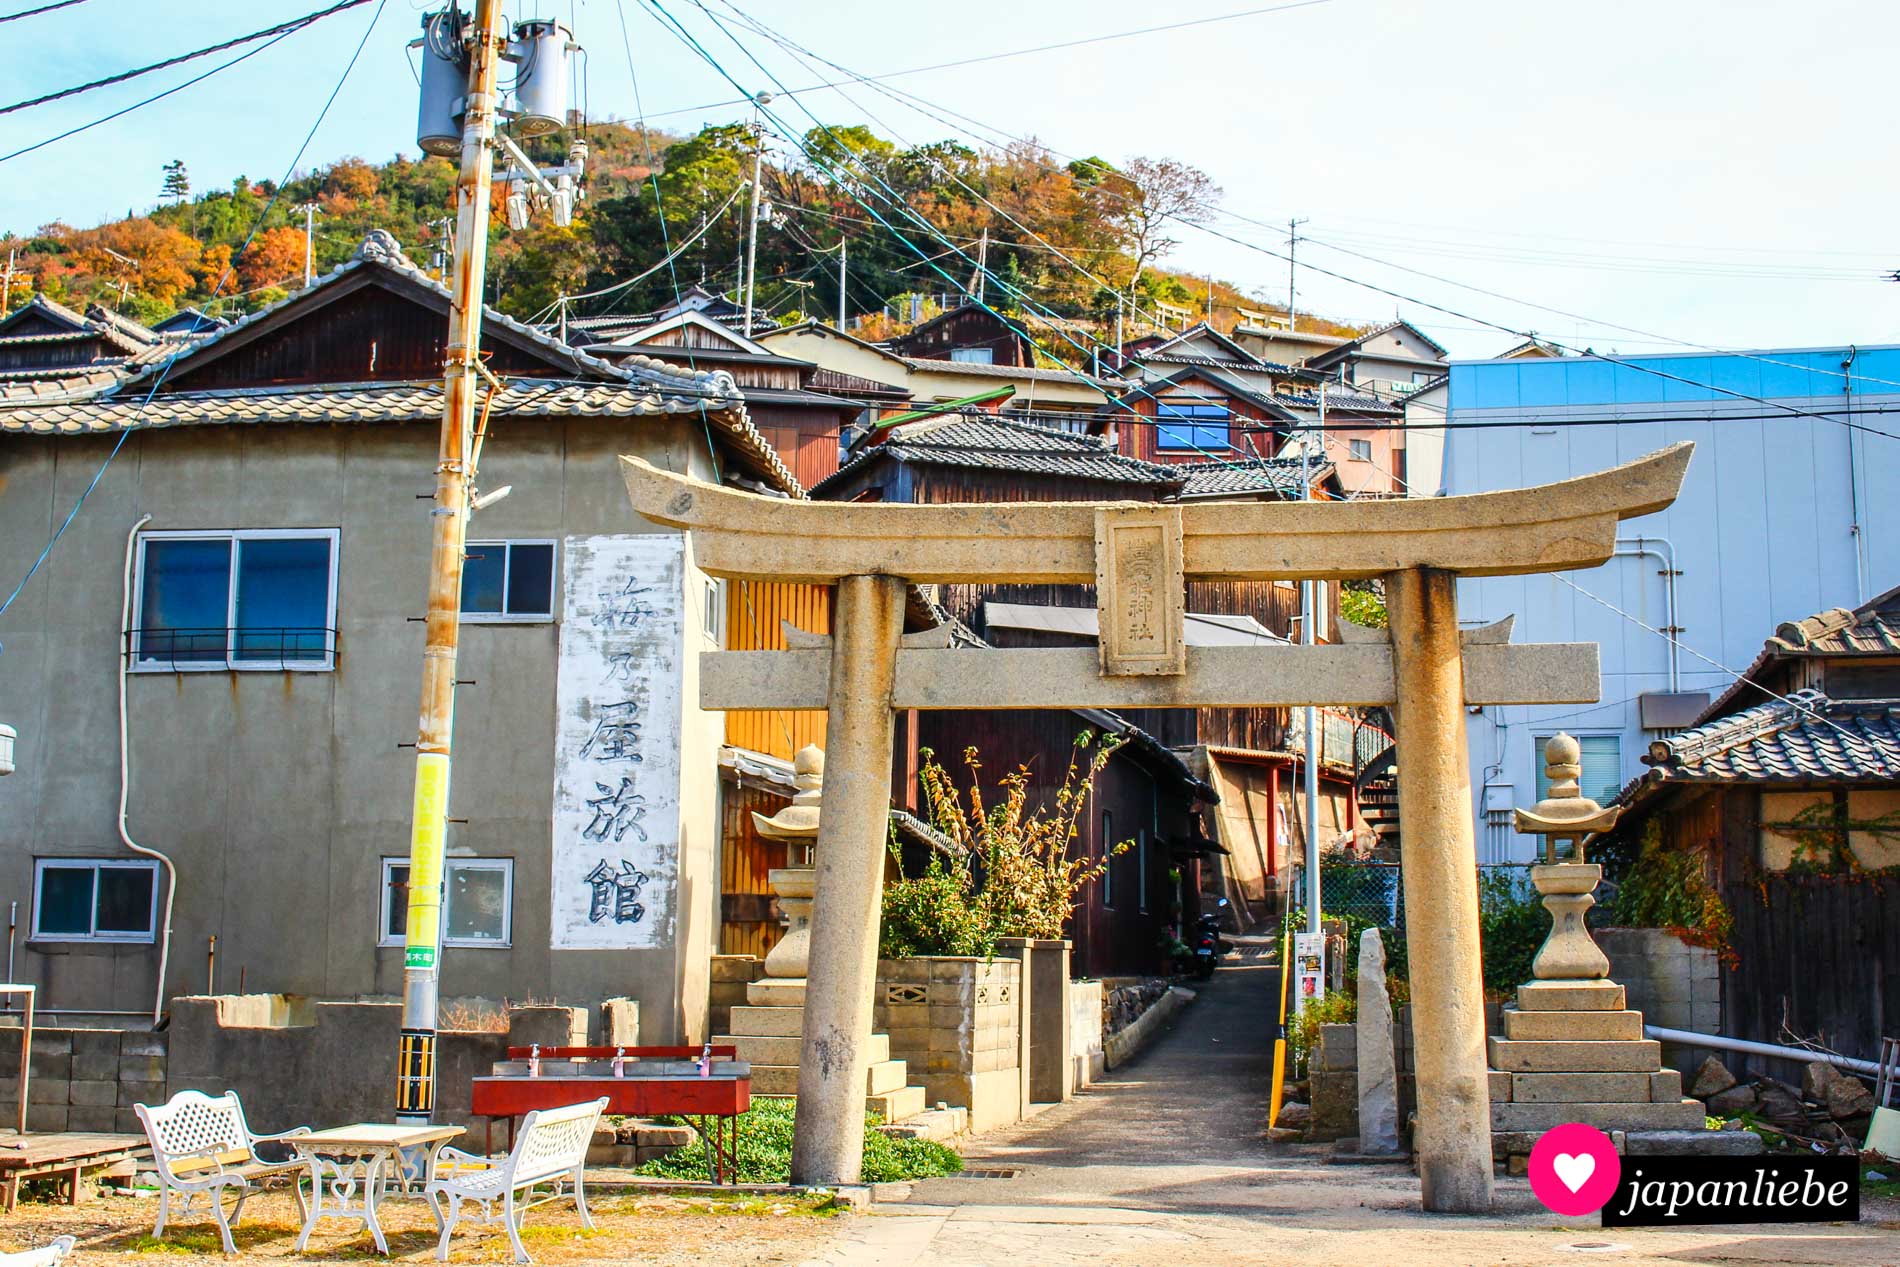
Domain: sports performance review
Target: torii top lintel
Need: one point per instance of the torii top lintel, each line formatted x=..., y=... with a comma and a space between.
x=1547, y=528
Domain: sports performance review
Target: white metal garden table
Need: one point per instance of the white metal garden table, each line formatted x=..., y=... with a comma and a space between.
x=353, y=1167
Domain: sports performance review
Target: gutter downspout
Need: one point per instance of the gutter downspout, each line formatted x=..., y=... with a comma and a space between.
x=1666, y=556
x=125, y=774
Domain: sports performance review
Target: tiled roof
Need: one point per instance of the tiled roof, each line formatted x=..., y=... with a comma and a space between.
x=1873, y=628
x=390, y=402
x=980, y=370
x=990, y=443
x=1349, y=402
x=1803, y=738
x=1243, y=477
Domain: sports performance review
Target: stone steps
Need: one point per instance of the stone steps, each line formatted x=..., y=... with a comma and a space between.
x=903, y=1104
x=1588, y=1026
x=1661, y=1087
x=785, y=1050
x=767, y=1022
x=1642, y=1055
x=882, y=1078
x=1682, y=1115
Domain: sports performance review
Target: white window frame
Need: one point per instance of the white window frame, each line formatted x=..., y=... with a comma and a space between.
x=1541, y=736
x=1353, y=448
x=507, y=868
x=713, y=621
x=97, y=864
x=230, y=663
x=507, y=568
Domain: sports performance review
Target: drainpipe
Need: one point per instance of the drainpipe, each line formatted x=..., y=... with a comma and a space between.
x=1659, y=549
x=125, y=774
x=1853, y=478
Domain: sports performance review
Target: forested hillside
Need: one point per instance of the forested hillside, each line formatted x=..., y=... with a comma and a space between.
x=1064, y=239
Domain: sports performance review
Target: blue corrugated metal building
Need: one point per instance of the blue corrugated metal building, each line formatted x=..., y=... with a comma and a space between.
x=1791, y=506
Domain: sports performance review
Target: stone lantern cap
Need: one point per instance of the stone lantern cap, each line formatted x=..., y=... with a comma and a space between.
x=1565, y=812
x=799, y=820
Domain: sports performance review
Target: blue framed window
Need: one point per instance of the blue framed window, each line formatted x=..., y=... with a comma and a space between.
x=253, y=599
x=1602, y=766
x=1190, y=426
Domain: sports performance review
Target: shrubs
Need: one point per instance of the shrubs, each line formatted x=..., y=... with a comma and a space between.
x=1010, y=871
x=765, y=1151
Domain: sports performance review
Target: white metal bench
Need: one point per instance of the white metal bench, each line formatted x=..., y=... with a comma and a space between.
x=551, y=1148
x=49, y=1255
x=202, y=1145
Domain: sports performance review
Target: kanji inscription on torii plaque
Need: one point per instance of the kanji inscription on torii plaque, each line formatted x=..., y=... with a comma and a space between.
x=1139, y=592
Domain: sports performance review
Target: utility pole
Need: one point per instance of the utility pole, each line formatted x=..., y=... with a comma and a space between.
x=843, y=243
x=415, y=1069
x=752, y=233
x=982, y=264
x=309, y=210
x=1292, y=250
x=6, y=286
x=1309, y=634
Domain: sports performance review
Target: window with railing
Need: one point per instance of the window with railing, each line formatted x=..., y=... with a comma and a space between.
x=250, y=599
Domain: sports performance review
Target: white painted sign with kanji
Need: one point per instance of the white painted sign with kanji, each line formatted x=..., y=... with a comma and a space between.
x=617, y=742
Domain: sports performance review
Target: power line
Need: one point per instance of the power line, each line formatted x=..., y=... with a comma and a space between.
x=282, y=28
x=165, y=367
x=1019, y=52
x=157, y=96
x=34, y=13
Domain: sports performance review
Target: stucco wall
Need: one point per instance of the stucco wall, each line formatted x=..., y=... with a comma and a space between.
x=279, y=793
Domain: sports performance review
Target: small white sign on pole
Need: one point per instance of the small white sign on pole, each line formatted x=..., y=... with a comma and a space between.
x=1309, y=964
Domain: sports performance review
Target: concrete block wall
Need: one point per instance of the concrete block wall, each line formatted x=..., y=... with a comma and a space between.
x=955, y=1022
x=1672, y=983
x=1085, y=1033
x=83, y=1079
x=1333, y=1073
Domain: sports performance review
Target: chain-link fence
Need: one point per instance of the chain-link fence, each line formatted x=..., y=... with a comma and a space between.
x=1372, y=895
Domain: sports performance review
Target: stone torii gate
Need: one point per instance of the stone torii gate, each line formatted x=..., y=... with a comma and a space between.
x=1139, y=556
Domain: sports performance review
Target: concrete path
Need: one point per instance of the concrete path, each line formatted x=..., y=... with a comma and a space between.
x=1164, y=1163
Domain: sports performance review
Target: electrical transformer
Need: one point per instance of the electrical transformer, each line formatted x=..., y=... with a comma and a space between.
x=540, y=53
x=444, y=75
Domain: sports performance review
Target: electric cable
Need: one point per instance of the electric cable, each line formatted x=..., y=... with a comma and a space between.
x=164, y=368
x=34, y=13
x=282, y=28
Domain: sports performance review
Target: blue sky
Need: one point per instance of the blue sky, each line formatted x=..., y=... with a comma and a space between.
x=1716, y=173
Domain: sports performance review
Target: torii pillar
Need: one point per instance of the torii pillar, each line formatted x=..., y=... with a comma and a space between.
x=1139, y=556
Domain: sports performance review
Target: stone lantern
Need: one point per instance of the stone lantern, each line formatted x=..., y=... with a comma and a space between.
x=1567, y=882
x=1572, y=1050
x=796, y=824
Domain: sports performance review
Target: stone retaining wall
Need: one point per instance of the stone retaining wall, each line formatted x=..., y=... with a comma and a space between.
x=955, y=1022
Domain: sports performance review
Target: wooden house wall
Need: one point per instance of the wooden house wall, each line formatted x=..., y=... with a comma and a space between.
x=754, y=610
x=806, y=438
x=367, y=335
x=1136, y=439
x=970, y=328
x=19, y=355
x=748, y=915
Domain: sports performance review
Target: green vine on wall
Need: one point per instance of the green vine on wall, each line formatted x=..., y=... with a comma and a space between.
x=1821, y=834
x=1670, y=889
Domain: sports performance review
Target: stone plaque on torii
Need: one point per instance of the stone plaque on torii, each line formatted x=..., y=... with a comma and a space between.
x=1139, y=557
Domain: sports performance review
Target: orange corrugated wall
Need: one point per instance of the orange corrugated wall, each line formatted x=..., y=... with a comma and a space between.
x=754, y=610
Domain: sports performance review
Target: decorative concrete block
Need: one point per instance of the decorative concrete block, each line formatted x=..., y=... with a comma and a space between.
x=1641, y=1056
x=1572, y=1026
x=1571, y=996
x=1581, y=1088
x=1685, y=1115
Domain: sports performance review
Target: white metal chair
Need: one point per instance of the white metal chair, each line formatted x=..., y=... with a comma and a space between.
x=49, y=1255
x=202, y=1145
x=550, y=1148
